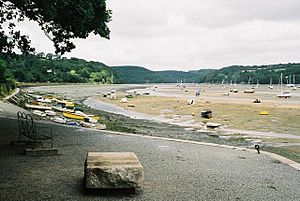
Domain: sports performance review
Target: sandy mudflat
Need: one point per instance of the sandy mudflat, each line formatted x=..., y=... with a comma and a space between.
x=237, y=113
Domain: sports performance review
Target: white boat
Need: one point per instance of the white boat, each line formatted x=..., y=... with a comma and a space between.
x=285, y=94
x=50, y=113
x=282, y=94
x=249, y=91
x=44, y=100
x=271, y=86
x=290, y=85
x=39, y=113
x=191, y=102
x=59, y=120
x=123, y=100
x=61, y=109
x=37, y=107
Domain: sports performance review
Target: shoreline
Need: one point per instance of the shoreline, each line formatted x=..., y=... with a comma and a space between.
x=121, y=123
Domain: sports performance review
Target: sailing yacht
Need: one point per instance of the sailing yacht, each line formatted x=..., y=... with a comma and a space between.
x=271, y=86
x=282, y=94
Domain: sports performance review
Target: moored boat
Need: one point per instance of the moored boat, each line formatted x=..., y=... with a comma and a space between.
x=249, y=91
x=206, y=114
x=212, y=125
x=282, y=94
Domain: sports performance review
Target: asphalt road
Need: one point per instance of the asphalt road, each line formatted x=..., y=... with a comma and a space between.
x=173, y=170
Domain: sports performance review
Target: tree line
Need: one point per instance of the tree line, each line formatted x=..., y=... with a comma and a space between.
x=257, y=74
x=51, y=68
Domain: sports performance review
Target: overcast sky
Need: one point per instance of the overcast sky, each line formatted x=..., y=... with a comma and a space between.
x=191, y=34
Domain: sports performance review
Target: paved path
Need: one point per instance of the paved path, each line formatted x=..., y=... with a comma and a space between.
x=173, y=170
x=9, y=110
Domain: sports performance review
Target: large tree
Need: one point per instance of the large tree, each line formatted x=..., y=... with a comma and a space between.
x=61, y=21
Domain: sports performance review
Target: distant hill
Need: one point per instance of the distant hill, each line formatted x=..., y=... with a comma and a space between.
x=138, y=75
x=53, y=68
x=203, y=73
x=253, y=74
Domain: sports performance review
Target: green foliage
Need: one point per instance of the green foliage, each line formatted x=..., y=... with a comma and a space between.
x=256, y=74
x=136, y=75
x=61, y=21
x=7, y=83
x=53, y=68
x=37, y=68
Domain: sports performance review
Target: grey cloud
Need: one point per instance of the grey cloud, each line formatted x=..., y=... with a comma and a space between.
x=180, y=34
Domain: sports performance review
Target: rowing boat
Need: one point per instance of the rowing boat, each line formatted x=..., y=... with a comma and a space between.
x=89, y=118
x=61, y=109
x=37, y=107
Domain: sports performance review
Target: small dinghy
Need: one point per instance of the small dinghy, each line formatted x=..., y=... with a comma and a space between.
x=206, y=113
x=212, y=125
x=50, y=113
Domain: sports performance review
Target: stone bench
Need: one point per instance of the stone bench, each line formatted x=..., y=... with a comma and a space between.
x=117, y=170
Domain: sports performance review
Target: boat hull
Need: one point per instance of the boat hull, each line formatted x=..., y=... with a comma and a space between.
x=73, y=116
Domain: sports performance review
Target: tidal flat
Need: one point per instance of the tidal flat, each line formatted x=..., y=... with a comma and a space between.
x=173, y=117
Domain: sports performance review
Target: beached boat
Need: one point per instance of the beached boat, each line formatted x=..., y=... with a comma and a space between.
x=39, y=113
x=37, y=107
x=59, y=120
x=81, y=116
x=73, y=116
x=263, y=112
x=282, y=94
x=212, y=125
x=65, y=103
x=206, y=114
x=44, y=100
x=249, y=91
x=271, y=86
x=61, y=109
x=257, y=100
x=285, y=94
x=50, y=113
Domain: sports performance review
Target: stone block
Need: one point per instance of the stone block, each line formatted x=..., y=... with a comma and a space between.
x=117, y=170
x=41, y=152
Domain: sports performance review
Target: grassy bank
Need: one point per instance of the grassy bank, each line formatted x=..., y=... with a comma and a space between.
x=291, y=152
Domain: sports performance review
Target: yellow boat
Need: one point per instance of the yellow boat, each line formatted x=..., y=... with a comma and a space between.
x=73, y=116
x=64, y=102
x=79, y=116
x=264, y=113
